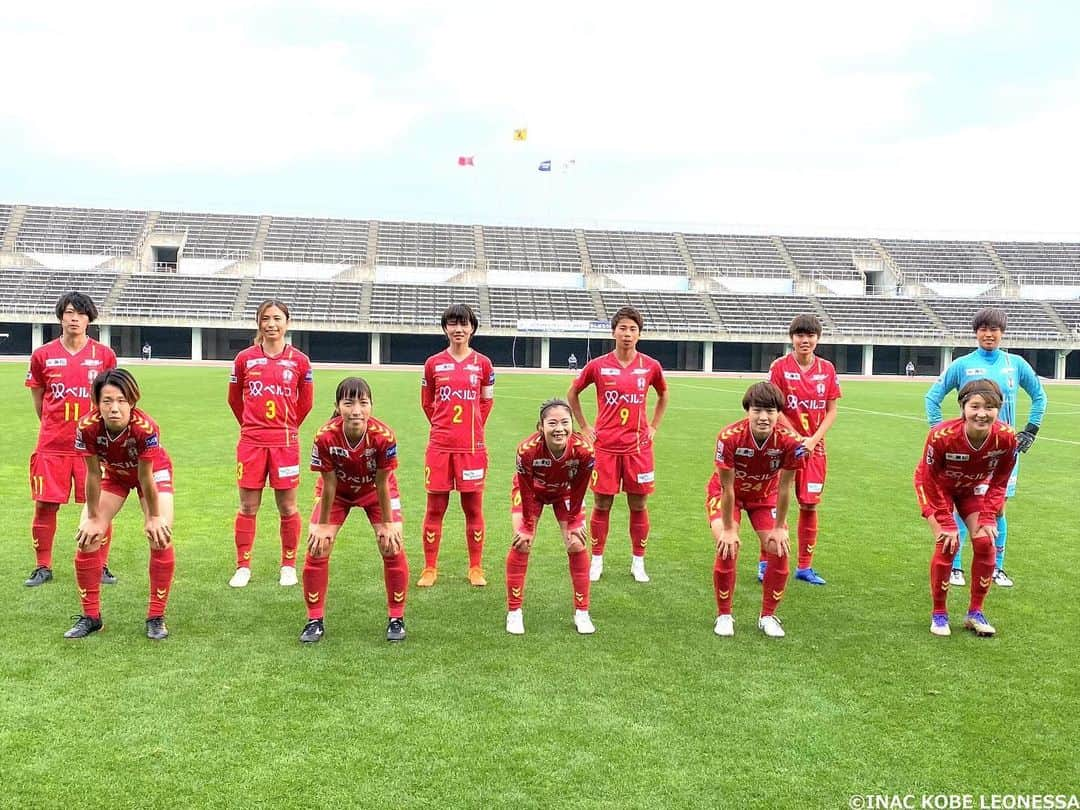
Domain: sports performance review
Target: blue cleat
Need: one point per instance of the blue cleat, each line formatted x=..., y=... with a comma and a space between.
x=809, y=575
x=761, y=571
x=976, y=622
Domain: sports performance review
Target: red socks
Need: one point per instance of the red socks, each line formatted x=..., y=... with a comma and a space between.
x=639, y=531
x=599, y=524
x=472, y=504
x=807, y=536
x=940, y=568
x=982, y=571
x=162, y=565
x=517, y=562
x=289, y=531
x=723, y=576
x=396, y=577
x=772, y=589
x=88, y=576
x=106, y=547
x=244, y=532
x=43, y=531
x=579, y=577
x=316, y=577
x=433, y=521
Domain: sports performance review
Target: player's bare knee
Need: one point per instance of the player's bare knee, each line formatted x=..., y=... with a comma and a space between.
x=575, y=546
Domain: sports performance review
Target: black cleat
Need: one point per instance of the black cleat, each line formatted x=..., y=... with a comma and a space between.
x=107, y=576
x=156, y=629
x=313, y=631
x=84, y=626
x=39, y=576
x=395, y=630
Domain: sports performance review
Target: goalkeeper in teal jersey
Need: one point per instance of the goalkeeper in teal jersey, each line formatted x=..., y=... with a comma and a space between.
x=1011, y=372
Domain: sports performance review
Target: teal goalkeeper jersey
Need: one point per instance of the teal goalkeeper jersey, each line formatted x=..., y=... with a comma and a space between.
x=1010, y=371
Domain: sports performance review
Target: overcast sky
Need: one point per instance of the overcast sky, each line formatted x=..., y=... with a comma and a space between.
x=948, y=118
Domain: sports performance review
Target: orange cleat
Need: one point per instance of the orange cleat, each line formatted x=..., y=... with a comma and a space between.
x=427, y=578
x=476, y=576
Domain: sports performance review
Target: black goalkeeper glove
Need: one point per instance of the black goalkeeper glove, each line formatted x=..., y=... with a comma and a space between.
x=1026, y=437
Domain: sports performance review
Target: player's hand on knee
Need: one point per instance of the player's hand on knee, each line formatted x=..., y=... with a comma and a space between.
x=388, y=536
x=158, y=532
x=987, y=531
x=778, y=541
x=522, y=541
x=727, y=544
x=950, y=541
x=575, y=540
x=319, y=541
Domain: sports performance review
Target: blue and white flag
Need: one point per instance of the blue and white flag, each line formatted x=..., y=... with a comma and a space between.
x=545, y=166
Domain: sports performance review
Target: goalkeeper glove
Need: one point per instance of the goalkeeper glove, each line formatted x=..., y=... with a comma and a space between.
x=1026, y=437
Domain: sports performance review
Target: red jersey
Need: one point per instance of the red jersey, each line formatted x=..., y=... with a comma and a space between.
x=66, y=379
x=757, y=465
x=270, y=396
x=806, y=391
x=120, y=455
x=354, y=465
x=951, y=469
x=457, y=398
x=621, y=392
x=542, y=478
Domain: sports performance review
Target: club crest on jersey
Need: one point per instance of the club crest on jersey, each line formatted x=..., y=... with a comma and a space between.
x=821, y=389
x=641, y=383
x=474, y=379
x=287, y=375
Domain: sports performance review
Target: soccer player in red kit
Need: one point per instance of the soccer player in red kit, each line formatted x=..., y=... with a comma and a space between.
x=811, y=389
x=623, y=435
x=965, y=467
x=355, y=455
x=122, y=450
x=756, y=462
x=270, y=393
x=61, y=373
x=457, y=393
x=553, y=467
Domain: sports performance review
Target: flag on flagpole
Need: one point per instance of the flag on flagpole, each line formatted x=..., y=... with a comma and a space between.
x=466, y=160
x=521, y=134
x=545, y=166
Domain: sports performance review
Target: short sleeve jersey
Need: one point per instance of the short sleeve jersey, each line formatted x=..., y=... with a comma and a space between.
x=451, y=394
x=951, y=468
x=120, y=455
x=806, y=391
x=622, y=425
x=549, y=477
x=354, y=465
x=272, y=389
x=66, y=381
x=757, y=465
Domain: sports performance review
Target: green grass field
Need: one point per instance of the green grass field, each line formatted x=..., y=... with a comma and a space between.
x=653, y=710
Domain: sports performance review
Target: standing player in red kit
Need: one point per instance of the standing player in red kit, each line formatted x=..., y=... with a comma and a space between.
x=270, y=393
x=553, y=467
x=457, y=393
x=61, y=373
x=355, y=455
x=623, y=435
x=811, y=389
x=122, y=451
x=756, y=462
x=965, y=468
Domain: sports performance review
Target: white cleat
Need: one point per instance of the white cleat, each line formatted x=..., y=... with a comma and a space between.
x=1001, y=579
x=725, y=625
x=637, y=568
x=596, y=567
x=241, y=578
x=582, y=622
x=956, y=578
x=977, y=624
x=288, y=576
x=515, y=623
x=770, y=626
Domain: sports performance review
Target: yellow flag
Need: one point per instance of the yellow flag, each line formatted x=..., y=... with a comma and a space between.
x=521, y=134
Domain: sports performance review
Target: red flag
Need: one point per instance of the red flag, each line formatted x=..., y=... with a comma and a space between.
x=464, y=160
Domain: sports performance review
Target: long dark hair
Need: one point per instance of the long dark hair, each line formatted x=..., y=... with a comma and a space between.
x=265, y=305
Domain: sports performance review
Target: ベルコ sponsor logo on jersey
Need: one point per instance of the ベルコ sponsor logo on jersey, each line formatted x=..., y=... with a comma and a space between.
x=256, y=388
x=59, y=391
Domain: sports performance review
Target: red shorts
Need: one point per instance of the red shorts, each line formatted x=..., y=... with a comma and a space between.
x=762, y=515
x=810, y=479
x=121, y=485
x=967, y=505
x=255, y=464
x=369, y=502
x=631, y=473
x=575, y=520
x=446, y=470
x=52, y=476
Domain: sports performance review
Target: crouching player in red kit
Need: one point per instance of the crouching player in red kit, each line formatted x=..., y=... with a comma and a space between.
x=122, y=449
x=966, y=466
x=356, y=456
x=553, y=467
x=752, y=455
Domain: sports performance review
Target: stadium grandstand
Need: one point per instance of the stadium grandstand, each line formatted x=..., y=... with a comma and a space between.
x=371, y=291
